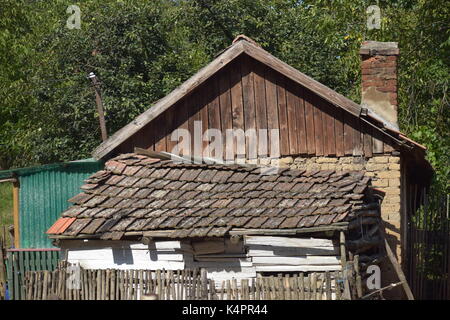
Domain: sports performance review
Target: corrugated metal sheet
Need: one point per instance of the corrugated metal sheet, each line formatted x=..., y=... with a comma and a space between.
x=44, y=192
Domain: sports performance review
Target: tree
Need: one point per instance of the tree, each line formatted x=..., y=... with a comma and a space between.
x=141, y=50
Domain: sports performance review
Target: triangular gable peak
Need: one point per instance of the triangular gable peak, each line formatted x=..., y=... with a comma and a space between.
x=247, y=88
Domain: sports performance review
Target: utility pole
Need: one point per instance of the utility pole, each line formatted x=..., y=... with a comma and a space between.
x=98, y=100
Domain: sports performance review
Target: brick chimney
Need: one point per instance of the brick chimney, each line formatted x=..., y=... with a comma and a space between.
x=379, y=80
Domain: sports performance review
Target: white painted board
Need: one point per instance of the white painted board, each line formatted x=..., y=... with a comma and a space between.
x=270, y=251
x=296, y=261
x=305, y=268
x=287, y=242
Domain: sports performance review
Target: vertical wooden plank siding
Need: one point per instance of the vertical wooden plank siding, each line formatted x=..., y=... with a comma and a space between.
x=197, y=140
x=214, y=106
x=237, y=106
x=204, y=118
x=171, y=125
x=331, y=132
x=261, y=110
x=193, y=105
x=247, y=95
x=291, y=100
x=377, y=141
x=318, y=128
x=329, y=140
x=249, y=101
x=160, y=133
x=357, y=138
x=339, y=131
x=367, y=131
x=301, y=125
x=183, y=122
x=348, y=134
x=309, y=118
x=226, y=118
x=282, y=115
x=214, y=109
x=272, y=104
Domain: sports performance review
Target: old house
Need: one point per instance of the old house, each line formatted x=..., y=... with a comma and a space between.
x=342, y=168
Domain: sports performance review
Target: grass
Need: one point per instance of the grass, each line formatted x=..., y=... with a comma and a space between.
x=6, y=204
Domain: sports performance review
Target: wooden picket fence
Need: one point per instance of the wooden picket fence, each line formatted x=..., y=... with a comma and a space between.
x=111, y=284
x=20, y=261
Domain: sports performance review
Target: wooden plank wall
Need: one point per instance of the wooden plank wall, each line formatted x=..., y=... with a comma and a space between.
x=249, y=95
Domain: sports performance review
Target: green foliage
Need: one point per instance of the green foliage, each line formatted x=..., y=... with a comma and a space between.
x=6, y=204
x=141, y=50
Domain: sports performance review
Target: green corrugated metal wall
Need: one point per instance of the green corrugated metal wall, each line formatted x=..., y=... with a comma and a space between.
x=44, y=192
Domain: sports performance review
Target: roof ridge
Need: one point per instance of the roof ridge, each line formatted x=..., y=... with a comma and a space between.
x=148, y=161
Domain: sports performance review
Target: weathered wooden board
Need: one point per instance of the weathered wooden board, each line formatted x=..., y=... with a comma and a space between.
x=236, y=263
x=309, y=118
x=248, y=96
x=272, y=105
x=261, y=110
x=231, y=247
x=101, y=264
x=265, y=251
x=291, y=102
x=318, y=129
x=282, y=115
x=207, y=247
x=296, y=261
x=219, y=275
x=222, y=259
x=158, y=245
x=304, y=268
x=300, y=117
x=287, y=242
x=127, y=255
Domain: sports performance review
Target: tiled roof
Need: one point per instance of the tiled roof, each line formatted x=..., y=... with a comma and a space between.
x=137, y=193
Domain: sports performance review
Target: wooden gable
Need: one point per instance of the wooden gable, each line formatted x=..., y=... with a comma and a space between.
x=247, y=94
